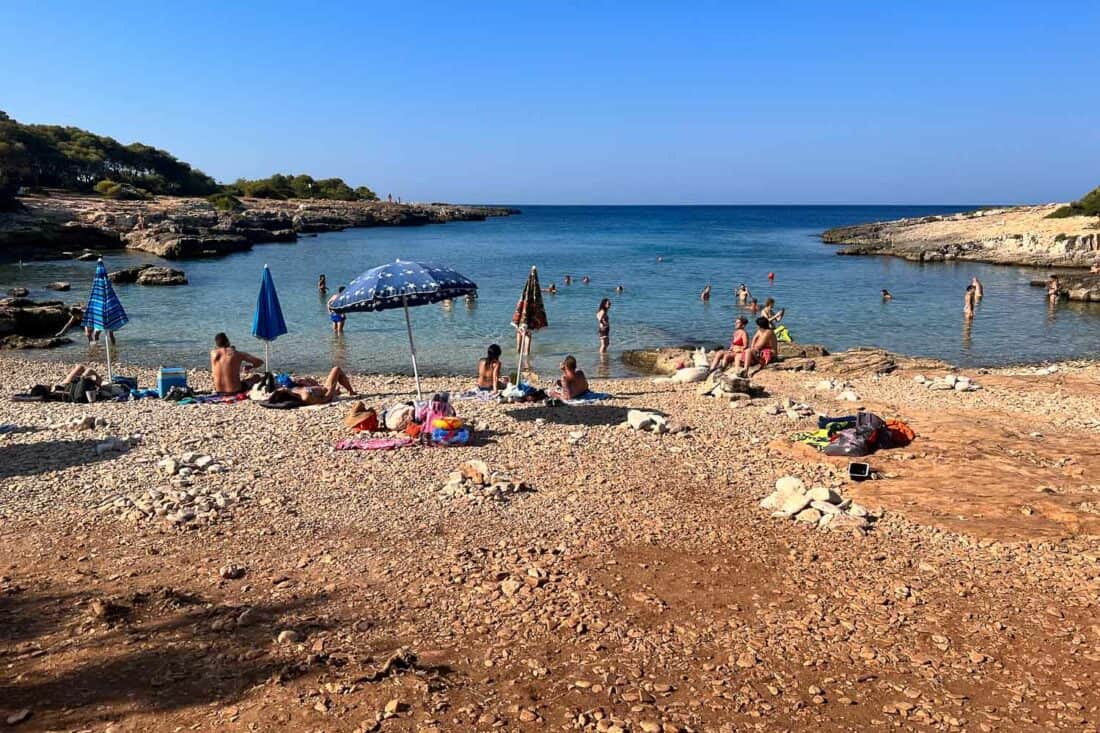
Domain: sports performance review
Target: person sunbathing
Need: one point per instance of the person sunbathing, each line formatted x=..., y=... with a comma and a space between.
x=573, y=382
x=488, y=370
x=310, y=392
x=763, y=349
x=78, y=372
x=738, y=343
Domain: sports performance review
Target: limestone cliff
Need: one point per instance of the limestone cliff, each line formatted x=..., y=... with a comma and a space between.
x=181, y=227
x=1019, y=235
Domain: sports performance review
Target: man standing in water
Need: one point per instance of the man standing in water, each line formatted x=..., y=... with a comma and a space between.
x=225, y=366
x=705, y=295
x=337, y=318
x=969, y=300
x=1054, y=289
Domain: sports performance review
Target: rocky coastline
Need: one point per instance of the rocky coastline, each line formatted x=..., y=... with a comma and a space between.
x=67, y=224
x=1021, y=235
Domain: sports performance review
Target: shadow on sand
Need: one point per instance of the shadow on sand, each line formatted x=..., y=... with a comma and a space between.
x=29, y=459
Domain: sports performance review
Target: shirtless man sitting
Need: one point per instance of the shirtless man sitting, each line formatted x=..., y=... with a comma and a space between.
x=573, y=383
x=763, y=349
x=225, y=366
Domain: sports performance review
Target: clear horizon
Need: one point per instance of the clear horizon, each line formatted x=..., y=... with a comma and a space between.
x=639, y=104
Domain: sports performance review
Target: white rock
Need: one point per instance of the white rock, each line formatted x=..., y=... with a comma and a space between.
x=203, y=461
x=825, y=507
x=790, y=483
x=809, y=516
x=793, y=502
x=857, y=510
x=848, y=396
x=771, y=501
x=824, y=494
x=640, y=420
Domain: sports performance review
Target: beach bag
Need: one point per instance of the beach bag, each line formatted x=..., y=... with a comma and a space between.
x=447, y=423
x=850, y=442
x=396, y=417
x=443, y=436
x=900, y=433
x=263, y=389
x=439, y=406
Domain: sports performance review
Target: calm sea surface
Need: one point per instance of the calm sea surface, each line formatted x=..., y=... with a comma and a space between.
x=829, y=299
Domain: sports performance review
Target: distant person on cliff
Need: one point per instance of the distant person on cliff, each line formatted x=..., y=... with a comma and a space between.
x=743, y=294
x=738, y=343
x=1095, y=269
x=705, y=295
x=488, y=370
x=886, y=295
x=322, y=285
x=969, y=301
x=769, y=311
x=1054, y=289
x=604, y=321
x=225, y=367
x=763, y=349
x=337, y=319
x=979, y=291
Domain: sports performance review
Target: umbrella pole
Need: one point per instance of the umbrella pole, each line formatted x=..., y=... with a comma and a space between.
x=267, y=357
x=107, y=344
x=412, y=346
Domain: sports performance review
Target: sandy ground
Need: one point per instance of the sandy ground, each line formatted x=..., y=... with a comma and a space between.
x=640, y=587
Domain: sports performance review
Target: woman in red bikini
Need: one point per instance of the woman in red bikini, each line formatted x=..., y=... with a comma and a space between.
x=738, y=344
x=763, y=349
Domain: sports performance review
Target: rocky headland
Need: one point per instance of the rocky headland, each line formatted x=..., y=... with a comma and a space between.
x=1021, y=235
x=67, y=224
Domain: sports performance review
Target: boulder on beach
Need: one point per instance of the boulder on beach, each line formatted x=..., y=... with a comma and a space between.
x=22, y=317
x=127, y=274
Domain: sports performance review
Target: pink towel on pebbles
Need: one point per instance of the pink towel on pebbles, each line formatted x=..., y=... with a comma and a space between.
x=373, y=443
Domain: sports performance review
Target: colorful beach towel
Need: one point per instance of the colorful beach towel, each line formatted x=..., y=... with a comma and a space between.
x=373, y=443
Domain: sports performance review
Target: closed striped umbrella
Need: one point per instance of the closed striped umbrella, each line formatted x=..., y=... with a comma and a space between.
x=104, y=312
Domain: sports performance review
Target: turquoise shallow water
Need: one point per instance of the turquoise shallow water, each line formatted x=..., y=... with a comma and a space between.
x=829, y=299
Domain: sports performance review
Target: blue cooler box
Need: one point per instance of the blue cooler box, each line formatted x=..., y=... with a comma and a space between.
x=169, y=377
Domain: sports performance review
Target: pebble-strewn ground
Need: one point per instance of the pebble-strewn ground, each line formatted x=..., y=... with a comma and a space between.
x=639, y=587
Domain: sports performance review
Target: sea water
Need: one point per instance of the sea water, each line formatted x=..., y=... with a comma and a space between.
x=661, y=256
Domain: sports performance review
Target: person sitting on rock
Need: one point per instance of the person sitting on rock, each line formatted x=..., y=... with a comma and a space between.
x=738, y=343
x=225, y=367
x=763, y=349
x=573, y=382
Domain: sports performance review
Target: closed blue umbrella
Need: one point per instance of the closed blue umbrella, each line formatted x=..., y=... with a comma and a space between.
x=104, y=312
x=267, y=322
x=400, y=285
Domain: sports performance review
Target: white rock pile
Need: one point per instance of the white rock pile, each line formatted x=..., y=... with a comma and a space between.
x=957, y=382
x=183, y=503
x=790, y=408
x=643, y=420
x=474, y=482
x=820, y=506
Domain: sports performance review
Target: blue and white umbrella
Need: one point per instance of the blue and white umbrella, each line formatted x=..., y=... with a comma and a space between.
x=104, y=312
x=399, y=285
x=267, y=321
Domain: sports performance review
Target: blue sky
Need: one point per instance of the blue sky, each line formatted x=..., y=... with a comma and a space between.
x=586, y=102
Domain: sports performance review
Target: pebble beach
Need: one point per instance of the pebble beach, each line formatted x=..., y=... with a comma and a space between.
x=222, y=567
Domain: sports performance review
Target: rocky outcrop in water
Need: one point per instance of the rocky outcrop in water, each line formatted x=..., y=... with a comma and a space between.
x=22, y=317
x=148, y=275
x=1084, y=288
x=180, y=227
x=1021, y=235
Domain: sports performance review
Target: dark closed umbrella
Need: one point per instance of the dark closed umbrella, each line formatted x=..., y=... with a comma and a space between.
x=267, y=322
